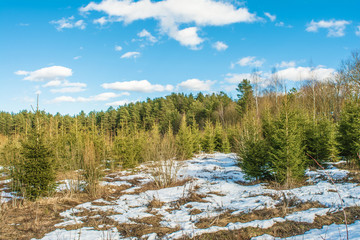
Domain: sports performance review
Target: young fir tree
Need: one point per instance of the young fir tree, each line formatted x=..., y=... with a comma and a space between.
x=284, y=141
x=349, y=130
x=226, y=147
x=320, y=141
x=207, y=142
x=34, y=175
x=251, y=150
x=92, y=169
x=184, y=141
x=245, y=95
x=128, y=147
x=196, y=136
x=218, y=137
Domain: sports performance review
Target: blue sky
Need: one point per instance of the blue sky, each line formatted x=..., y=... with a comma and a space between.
x=83, y=55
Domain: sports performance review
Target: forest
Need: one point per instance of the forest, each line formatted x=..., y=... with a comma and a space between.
x=276, y=132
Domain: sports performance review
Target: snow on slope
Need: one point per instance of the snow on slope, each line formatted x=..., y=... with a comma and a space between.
x=216, y=177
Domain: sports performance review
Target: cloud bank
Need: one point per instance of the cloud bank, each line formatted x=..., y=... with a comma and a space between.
x=171, y=14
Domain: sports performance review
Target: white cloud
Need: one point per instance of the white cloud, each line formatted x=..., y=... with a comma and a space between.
x=306, y=73
x=220, y=46
x=46, y=74
x=250, y=62
x=77, y=57
x=285, y=64
x=64, y=86
x=196, y=85
x=137, y=86
x=64, y=83
x=271, y=17
x=237, y=77
x=335, y=28
x=357, y=31
x=145, y=34
x=100, y=21
x=118, y=103
x=118, y=48
x=187, y=37
x=282, y=24
x=67, y=90
x=97, y=98
x=173, y=13
x=131, y=55
x=68, y=23
x=63, y=99
x=21, y=72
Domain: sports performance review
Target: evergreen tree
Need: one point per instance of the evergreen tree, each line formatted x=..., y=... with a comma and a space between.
x=252, y=149
x=184, y=141
x=218, y=137
x=349, y=129
x=34, y=174
x=207, y=142
x=320, y=140
x=226, y=147
x=245, y=95
x=284, y=139
x=196, y=138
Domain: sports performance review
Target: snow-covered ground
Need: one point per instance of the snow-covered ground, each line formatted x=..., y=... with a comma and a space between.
x=218, y=184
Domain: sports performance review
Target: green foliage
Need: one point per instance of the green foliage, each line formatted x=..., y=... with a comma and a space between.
x=196, y=138
x=128, y=148
x=33, y=174
x=208, y=139
x=252, y=151
x=218, y=137
x=184, y=141
x=284, y=141
x=320, y=140
x=92, y=169
x=349, y=129
x=226, y=147
x=245, y=95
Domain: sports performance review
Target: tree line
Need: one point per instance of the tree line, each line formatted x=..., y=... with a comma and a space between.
x=275, y=132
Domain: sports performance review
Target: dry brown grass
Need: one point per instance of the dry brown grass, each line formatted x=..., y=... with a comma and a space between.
x=155, y=203
x=285, y=229
x=99, y=220
x=280, y=211
x=22, y=219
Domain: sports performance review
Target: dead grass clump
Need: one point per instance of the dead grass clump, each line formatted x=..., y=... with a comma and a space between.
x=195, y=211
x=151, y=221
x=217, y=194
x=293, y=184
x=22, y=219
x=155, y=203
x=191, y=197
x=286, y=229
x=140, y=229
x=267, y=213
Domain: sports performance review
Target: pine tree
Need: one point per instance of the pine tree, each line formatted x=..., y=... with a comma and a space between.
x=284, y=139
x=207, y=142
x=226, y=147
x=34, y=174
x=245, y=95
x=349, y=129
x=218, y=137
x=320, y=140
x=252, y=149
x=196, y=138
x=184, y=141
